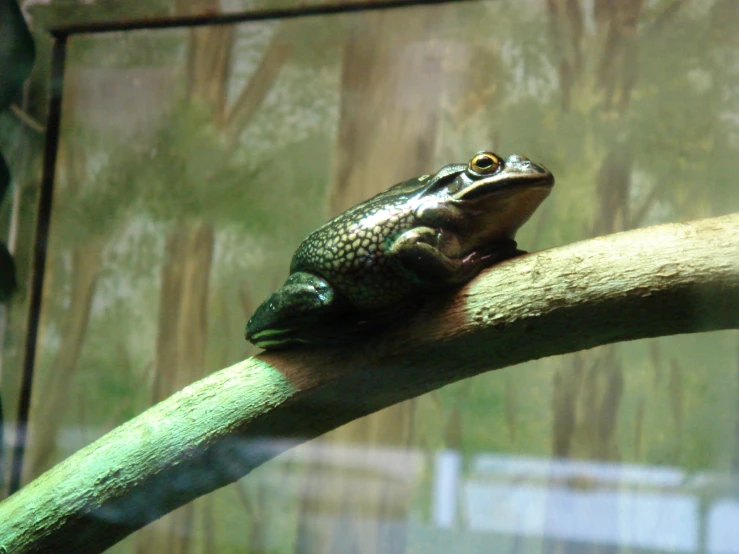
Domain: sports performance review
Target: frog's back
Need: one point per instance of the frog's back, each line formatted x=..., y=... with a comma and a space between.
x=349, y=252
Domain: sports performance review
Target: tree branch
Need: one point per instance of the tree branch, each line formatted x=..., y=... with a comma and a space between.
x=677, y=278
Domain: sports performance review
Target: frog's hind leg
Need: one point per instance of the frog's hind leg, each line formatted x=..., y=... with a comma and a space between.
x=300, y=312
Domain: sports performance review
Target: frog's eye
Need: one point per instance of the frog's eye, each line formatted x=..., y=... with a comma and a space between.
x=485, y=163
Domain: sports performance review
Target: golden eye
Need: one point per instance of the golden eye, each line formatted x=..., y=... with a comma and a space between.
x=485, y=163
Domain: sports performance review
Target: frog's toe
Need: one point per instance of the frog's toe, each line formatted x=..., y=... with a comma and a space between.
x=274, y=338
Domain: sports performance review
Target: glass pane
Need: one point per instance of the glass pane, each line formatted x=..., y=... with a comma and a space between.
x=192, y=163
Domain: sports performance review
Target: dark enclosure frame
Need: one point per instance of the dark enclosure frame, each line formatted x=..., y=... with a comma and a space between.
x=51, y=142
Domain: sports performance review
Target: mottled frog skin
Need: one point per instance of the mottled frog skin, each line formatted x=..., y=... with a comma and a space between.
x=371, y=263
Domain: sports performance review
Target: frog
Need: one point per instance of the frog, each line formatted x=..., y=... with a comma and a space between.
x=378, y=260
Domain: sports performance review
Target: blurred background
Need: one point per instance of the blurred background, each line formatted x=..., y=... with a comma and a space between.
x=192, y=162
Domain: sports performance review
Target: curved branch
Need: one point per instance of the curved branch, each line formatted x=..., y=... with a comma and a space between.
x=677, y=278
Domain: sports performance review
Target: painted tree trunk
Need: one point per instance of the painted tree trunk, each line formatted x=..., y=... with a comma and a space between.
x=597, y=70
x=180, y=354
x=52, y=389
x=183, y=302
x=390, y=107
x=51, y=394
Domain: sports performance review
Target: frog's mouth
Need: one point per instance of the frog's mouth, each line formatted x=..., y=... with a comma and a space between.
x=507, y=182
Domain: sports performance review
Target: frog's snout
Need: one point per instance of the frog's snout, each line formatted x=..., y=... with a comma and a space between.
x=516, y=162
x=523, y=164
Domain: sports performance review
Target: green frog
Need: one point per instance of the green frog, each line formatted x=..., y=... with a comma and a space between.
x=377, y=260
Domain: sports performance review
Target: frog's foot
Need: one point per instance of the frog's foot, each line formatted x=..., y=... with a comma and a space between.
x=431, y=260
x=498, y=252
x=297, y=313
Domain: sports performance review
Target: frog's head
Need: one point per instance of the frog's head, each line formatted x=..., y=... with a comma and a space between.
x=492, y=196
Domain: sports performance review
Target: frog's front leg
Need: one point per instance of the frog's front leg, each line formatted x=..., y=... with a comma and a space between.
x=296, y=313
x=433, y=259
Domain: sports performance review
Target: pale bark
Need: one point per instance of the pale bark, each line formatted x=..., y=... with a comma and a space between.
x=677, y=278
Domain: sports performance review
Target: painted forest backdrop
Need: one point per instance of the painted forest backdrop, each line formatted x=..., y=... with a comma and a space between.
x=193, y=161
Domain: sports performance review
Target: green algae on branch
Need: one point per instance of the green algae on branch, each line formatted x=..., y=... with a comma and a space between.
x=676, y=278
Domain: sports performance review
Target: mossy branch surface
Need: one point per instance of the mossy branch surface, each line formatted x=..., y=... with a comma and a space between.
x=677, y=278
